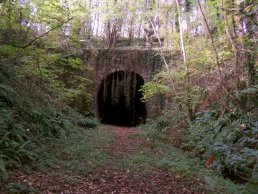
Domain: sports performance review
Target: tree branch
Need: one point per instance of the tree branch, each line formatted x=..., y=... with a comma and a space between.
x=37, y=38
x=215, y=51
x=162, y=53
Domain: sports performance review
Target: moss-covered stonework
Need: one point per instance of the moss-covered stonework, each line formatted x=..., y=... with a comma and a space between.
x=104, y=62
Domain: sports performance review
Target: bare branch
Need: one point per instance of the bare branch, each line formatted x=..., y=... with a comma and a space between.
x=215, y=51
x=162, y=54
x=37, y=38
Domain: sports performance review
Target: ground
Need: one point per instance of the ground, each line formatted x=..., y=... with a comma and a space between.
x=110, y=160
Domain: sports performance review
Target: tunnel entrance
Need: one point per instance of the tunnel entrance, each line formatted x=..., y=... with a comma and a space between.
x=119, y=99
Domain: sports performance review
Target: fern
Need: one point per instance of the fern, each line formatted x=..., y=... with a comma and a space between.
x=231, y=139
x=4, y=72
x=3, y=171
x=7, y=93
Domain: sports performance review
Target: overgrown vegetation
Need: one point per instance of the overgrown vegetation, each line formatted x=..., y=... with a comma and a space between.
x=28, y=120
x=162, y=155
x=209, y=90
x=79, y=152
x=212, y=88
x=38, y=78
x=228, y=144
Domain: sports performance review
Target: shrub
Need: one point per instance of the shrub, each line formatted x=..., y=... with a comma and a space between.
x=26, y=120
x=163, y=122
x=88, y=122
x=231, y=141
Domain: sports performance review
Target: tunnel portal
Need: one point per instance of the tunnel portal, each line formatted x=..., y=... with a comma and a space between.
x=119, y=99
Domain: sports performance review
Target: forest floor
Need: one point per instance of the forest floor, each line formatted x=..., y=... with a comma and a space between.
x=110, y=159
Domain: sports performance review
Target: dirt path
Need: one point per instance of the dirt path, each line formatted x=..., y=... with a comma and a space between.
x=124, y=144
x=110, y=178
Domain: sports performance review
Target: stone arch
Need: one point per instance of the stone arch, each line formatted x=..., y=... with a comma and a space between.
x=119, y=99
x=143, y=72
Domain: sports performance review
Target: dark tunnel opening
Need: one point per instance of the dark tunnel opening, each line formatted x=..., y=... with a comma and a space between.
x=119, y=99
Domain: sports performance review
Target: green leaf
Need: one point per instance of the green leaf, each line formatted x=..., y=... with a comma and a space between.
x=3, y=172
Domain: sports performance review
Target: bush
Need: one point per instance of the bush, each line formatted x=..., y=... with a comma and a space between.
x=88, y=122
x=25, y=120
x=165, y=128
x=163, y=122
x=228, y=144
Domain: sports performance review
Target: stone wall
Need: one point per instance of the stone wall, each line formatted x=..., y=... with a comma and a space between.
x=144, y=62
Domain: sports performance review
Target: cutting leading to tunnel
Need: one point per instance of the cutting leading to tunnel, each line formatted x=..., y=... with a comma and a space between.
x=119, y=99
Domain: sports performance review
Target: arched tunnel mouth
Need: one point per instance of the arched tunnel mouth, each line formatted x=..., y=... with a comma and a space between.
x=119, y=99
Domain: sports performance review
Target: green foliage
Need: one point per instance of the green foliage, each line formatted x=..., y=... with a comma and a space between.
x=20, y=133
x=253, y=90
x=15, y=150
x=43, y=60
x=164, y=121
x=49, y=123
x=166, y=157
x=3, y=171
x=58, y=73
x=200, y=132
x=152, y=88
x=139, y=162
x=37, y=73
x=27, y=118
x=231, y=139
x=81, y=150
x=88, y=122
x=13, y=140
x=7, y=93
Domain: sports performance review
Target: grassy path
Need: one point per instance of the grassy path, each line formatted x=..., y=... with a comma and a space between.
x=113, y=160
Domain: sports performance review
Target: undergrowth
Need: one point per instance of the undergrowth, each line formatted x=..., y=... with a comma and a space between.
x=227, y=144
x=29, y=118
x=164, y=156
x=80, y=151
x=164, y=121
